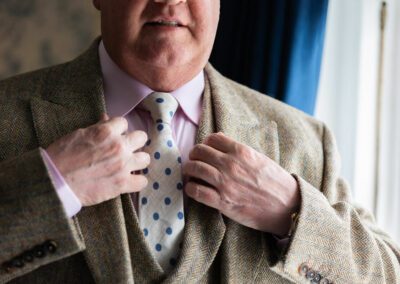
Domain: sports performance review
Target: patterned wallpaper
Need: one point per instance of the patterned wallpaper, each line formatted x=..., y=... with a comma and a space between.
x=39, y=33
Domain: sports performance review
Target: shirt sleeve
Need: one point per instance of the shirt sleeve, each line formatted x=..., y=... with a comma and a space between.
x=70, y=201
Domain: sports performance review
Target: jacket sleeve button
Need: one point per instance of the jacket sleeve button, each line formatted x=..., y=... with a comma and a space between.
x=51, y=246
x=303, y=269
x=324, y=281
x=27, y=256
x=7, y=267
x=39, y=252
x=310, y=274
x=17, y=262
x=317, y=278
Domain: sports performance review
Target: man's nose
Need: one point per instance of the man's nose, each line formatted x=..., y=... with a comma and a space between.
x=170, y=2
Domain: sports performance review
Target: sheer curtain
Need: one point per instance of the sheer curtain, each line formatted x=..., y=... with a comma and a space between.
x=347, y=102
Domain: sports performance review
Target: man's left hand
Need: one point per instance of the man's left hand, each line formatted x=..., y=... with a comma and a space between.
x=243, y=184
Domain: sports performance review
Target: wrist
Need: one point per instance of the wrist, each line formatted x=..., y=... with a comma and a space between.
x=289, y=218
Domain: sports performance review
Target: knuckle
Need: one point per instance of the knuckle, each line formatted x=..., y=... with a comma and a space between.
x=101, y=132
x=80, y=132
x=120, y=181
x=227, y=201
x=232, y=167
x=119, y=165
x=117, y=147
x=197, y=149
x=241, y=150
x=190, y=167
x=213, y=137
x=197, y=167
x=116, y=166
x=192, y=189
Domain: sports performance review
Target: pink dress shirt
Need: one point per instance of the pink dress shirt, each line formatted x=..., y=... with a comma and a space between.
x=122, y=96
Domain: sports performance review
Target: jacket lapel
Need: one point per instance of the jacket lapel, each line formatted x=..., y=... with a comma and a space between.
x=77, y=101
x=207, y=232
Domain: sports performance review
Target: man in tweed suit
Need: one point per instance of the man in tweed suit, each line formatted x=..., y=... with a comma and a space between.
x=256, y=162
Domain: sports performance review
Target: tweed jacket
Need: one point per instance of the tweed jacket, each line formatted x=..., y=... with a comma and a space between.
x=104, y=243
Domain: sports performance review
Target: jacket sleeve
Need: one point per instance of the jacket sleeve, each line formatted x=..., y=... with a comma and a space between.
x=34, y=227
x=335, y=241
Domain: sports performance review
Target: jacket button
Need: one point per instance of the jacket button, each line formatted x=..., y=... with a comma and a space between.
x=17, y=262
x=8, y=267
x=51, y=246
x=310, y=274
x=317, y=278
x=27, y=256
x=39, y=252
x=303, y=269
x=324, y=281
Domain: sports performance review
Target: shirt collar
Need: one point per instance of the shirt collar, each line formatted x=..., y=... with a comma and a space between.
x=123, y=93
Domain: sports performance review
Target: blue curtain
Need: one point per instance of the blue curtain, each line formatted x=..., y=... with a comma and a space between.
x=273, y=46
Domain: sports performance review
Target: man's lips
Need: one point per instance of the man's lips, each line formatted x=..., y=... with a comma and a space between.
x=166, y=22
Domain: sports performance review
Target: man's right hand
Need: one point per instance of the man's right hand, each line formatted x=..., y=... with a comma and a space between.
x=98, y=162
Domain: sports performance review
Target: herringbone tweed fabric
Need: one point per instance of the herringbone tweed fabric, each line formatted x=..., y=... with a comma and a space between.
x=104, y=243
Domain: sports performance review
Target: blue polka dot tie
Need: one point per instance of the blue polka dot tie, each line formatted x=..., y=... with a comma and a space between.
x=161, y=202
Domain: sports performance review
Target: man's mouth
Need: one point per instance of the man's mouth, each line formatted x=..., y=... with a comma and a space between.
x=165, y=23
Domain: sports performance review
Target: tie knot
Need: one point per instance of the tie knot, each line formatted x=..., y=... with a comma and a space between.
x=162, y=106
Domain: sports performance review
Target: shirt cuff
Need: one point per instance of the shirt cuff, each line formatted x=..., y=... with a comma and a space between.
x=70, y=201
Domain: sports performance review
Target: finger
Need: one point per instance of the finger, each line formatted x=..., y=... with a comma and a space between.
x=139, y=161
x=203, y=171
x=220, y=142
x=136, y=183
x=207, y=154
x=118, y=125
x=104, y=117
x=136, y=139
x=203, y=194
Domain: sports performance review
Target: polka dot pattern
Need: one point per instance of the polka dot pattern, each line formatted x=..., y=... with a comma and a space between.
x=179, y=186
x=161, y=204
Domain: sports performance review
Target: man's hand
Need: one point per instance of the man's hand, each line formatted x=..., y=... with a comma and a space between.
x=243, y=184
x=97, y=162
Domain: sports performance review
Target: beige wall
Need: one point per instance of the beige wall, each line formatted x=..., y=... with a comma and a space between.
x=39, y=33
